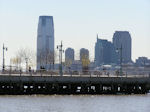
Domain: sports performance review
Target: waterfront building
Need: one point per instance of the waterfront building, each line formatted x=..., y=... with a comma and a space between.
x=69, y=57
x=84, y=54
x=69, y=54
x=105, y=52
x=122, y=39
x=45, y=43
x=142, y=61
x=76, y=66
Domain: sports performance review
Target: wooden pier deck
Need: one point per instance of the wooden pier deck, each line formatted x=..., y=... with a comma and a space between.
x=73, y=85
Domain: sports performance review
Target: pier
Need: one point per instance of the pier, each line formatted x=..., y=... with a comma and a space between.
x=22, y=85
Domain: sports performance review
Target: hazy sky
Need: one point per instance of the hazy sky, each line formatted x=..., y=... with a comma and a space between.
x=76, y=22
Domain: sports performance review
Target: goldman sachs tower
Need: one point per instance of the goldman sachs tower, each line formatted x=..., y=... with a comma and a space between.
x=45, y=43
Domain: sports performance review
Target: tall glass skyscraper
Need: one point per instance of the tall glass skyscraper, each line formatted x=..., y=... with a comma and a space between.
x=45, y=42
x=123, y=38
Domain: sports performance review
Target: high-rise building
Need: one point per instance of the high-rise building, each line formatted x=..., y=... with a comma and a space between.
x=122, y=39
x=84, y=54
x=104, y=52
x=69, y=55
x=45, y=42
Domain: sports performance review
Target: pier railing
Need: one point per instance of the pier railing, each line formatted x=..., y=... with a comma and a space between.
x=53, y=73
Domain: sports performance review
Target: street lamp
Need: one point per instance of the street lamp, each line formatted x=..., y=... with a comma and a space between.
x=95, y=64
x=59, y=47
x=4, y=48
x=26, y=59
x=120, y=52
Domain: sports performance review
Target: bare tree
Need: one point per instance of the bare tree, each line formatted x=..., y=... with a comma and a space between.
x=85, y=62
x=68, y=63
x=40, y=59
x=16, y=61
x=46, y=59
x=26, y=57
x=49, y=57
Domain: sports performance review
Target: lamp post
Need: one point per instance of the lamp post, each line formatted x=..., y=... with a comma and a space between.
x=59, y=47
x=120, y=52
x=26, y=59
x=4, y=48
x=95, y=64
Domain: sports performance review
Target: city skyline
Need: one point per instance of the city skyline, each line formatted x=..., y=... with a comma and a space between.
x=74, y=28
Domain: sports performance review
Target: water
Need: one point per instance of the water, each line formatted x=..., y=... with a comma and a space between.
x=77, y=103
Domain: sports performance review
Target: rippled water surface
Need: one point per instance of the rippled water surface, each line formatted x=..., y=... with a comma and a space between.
x=79, y=103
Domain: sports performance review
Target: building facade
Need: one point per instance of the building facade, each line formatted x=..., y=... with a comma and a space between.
x=142, y=61
x=84, y=53
x=69, y=55
x=104, y=52
x=45, y=43
x=122, y=39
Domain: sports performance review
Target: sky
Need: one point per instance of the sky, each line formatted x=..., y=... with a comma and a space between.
x=76, y=23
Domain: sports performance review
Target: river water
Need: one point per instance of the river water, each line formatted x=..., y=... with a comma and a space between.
x=75, y=103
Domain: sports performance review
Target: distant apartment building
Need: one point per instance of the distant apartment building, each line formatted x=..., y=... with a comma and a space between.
x=122, y=39
x=84, y=54
x=76, y=65
x=45, y=42
x=69, y=55
x=142, y=61
x=105, y=52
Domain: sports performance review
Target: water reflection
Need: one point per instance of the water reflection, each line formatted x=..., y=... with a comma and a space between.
x=75, y=103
